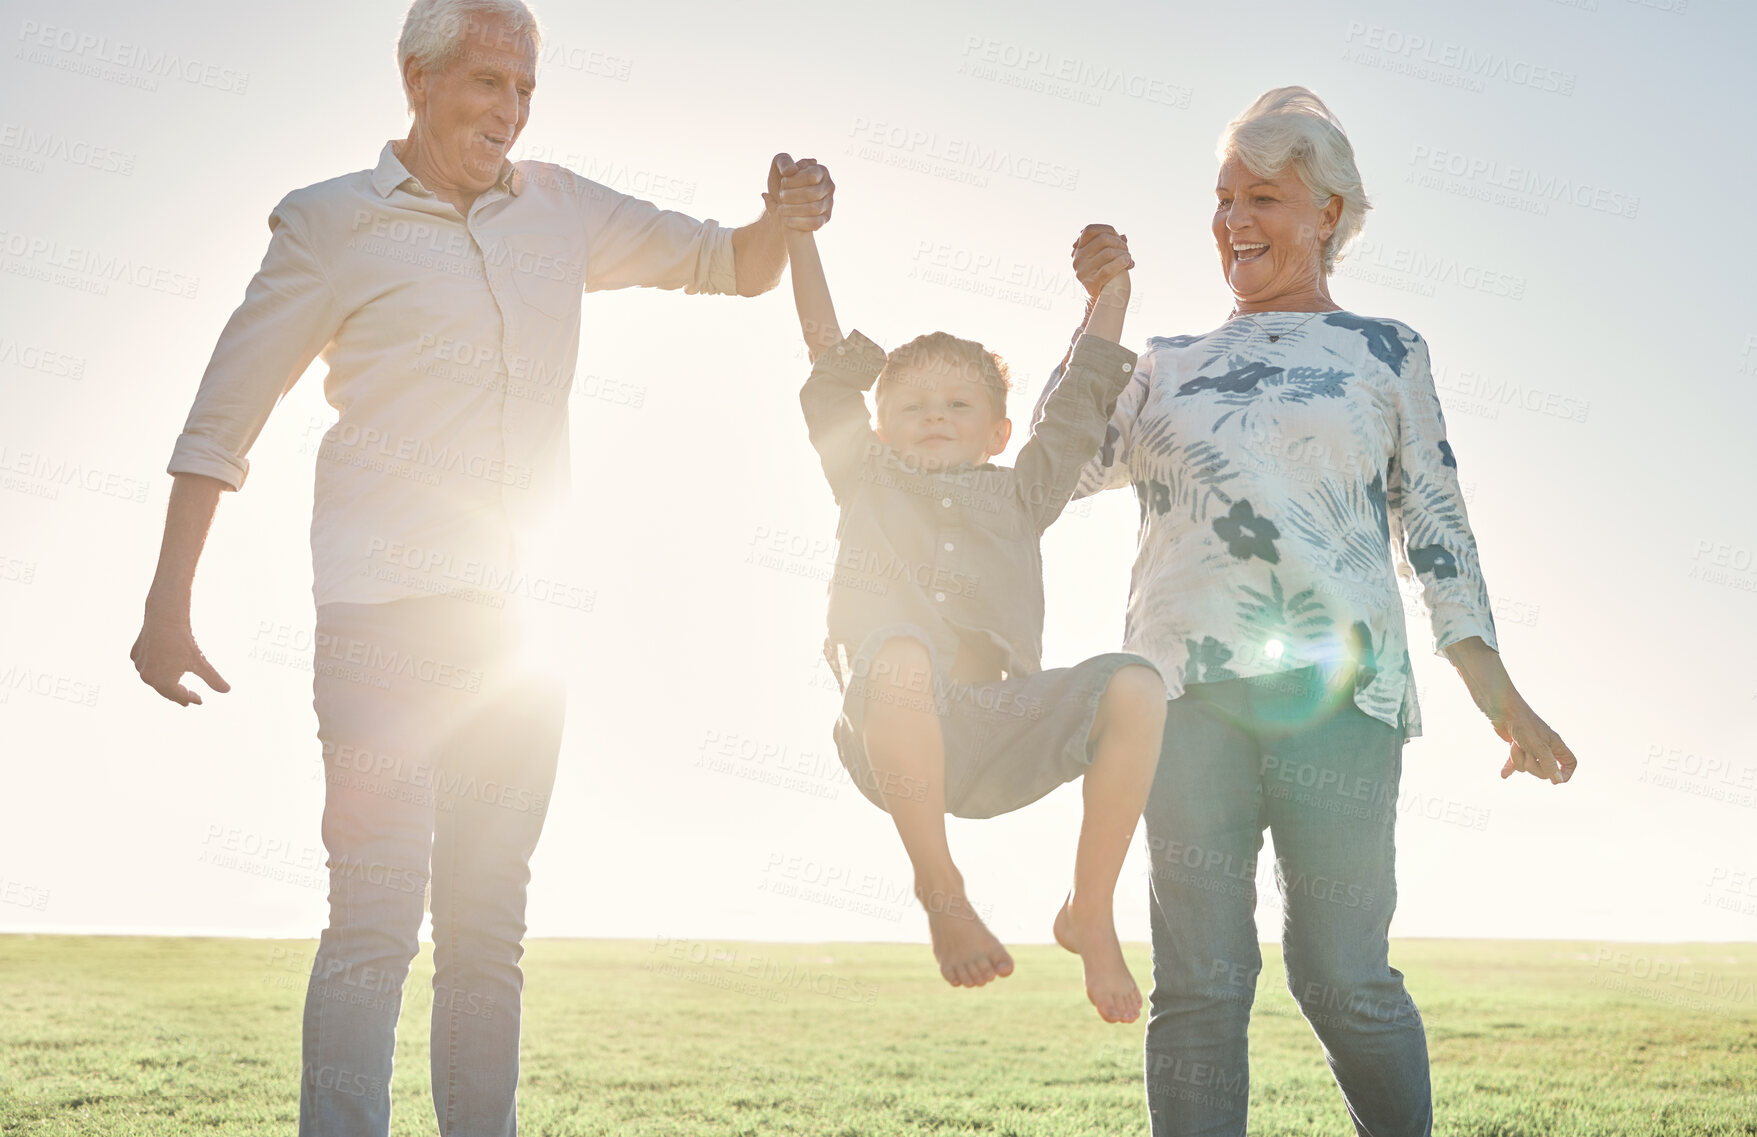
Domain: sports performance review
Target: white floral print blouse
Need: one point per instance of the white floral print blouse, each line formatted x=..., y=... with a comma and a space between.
x=1289, y=465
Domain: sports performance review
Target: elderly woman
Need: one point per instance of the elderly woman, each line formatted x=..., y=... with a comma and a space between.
x=442, y=286
x=1289, y=465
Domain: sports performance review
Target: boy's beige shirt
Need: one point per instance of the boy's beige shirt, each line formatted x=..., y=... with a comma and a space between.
x=954, y=553
x=451, y=344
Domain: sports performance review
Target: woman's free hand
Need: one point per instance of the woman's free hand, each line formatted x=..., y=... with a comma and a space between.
x=1536, y=749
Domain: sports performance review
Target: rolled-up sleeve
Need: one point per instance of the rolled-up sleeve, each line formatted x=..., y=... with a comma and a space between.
x=1109, y=468
x=288, y=316
x=1430, y=532
x=1071, y=423
x=633, y=243
x=834, y=402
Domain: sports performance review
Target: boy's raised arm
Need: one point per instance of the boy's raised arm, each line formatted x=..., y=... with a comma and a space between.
x=834, y=397
x=1104, y=317
x=811, y=294
x=1076, y=410
x=1101, y=254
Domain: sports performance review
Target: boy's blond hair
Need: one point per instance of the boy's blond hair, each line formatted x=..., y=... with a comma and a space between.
x=941, y=353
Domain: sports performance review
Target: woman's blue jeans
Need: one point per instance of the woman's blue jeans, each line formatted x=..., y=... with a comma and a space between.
x=1287, y=753
x=439, y=751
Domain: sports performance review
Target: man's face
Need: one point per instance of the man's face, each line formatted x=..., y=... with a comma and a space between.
x=470, y=112
x=941, y=415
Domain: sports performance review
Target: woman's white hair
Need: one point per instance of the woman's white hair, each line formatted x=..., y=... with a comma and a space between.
x=434, y=31
x=1290, y=126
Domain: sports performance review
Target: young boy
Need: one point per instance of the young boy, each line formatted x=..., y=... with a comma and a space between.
x=936, y=618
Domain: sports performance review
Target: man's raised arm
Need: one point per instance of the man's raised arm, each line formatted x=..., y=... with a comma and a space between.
x=798, y=200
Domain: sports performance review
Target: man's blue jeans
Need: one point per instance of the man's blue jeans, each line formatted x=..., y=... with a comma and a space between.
x=1289, y=753
x=439, y=753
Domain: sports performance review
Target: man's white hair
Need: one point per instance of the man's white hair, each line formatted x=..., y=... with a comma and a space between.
x=1291, y=127
x=435, y=31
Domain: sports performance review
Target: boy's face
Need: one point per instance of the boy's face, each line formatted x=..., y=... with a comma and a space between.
x=941, y=416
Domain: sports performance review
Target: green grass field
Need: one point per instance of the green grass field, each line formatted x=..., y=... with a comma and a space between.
x=174, y=1036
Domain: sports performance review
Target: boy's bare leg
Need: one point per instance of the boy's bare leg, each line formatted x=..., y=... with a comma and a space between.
x=1126, y=735
x=906, y=751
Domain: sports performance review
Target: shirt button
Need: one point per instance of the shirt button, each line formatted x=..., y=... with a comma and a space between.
x=1125, y=367
x=841, y=351
x=939, y=596
x=948, y=546
x=946, y=501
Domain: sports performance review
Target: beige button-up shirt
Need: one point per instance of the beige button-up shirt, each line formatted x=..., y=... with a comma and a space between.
x=451, y=345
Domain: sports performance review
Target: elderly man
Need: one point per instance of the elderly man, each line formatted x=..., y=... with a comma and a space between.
x=443, y=289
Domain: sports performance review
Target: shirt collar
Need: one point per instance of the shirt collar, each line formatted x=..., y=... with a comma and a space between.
x=391, y=173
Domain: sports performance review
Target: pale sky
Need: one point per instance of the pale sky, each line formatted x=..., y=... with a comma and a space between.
x=1562, y=208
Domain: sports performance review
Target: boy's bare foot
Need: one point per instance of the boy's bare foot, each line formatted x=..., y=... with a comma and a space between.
x=967, y=952
x=1109, y=985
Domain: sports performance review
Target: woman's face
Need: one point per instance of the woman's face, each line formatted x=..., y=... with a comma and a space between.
x=1270, y=235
